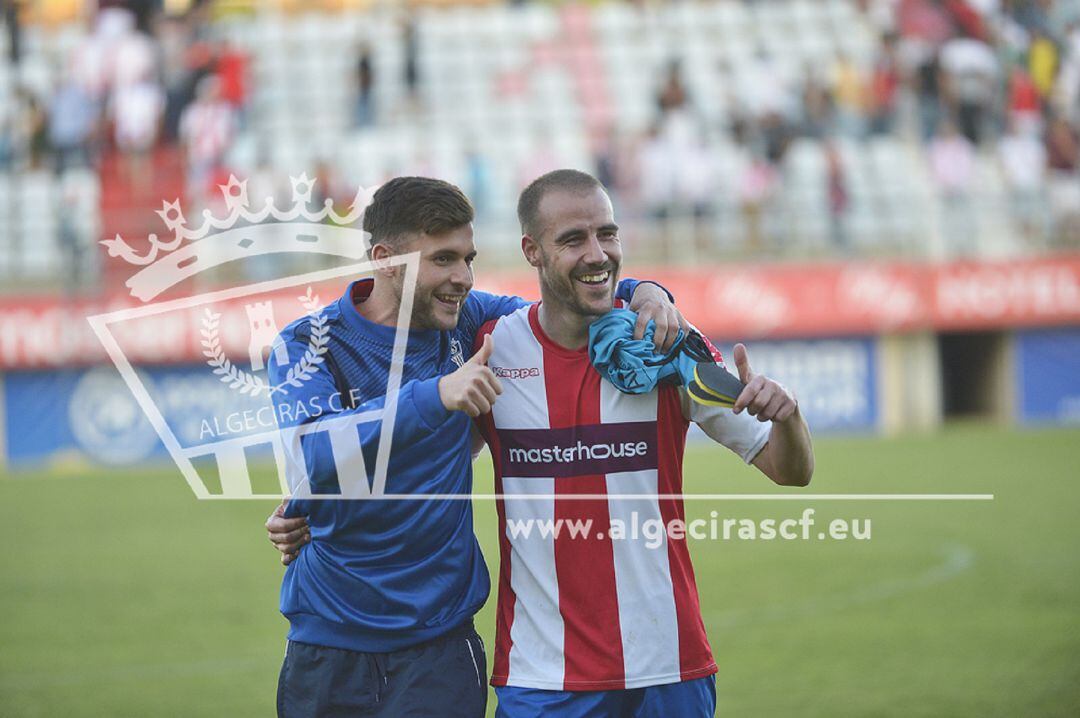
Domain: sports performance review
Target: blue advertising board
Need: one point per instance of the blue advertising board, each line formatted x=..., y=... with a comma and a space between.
x=1048, y=376
x=91, y=414
x=835, y=380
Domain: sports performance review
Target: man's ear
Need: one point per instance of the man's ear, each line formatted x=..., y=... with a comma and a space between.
x=380, y=257
x=530, y=247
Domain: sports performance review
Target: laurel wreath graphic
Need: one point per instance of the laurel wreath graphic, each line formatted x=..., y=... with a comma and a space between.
x=247, y=383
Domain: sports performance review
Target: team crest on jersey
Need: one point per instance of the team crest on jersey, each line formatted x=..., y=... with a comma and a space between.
x=456, y=355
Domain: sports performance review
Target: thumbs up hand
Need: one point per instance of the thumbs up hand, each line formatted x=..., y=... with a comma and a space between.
x=762, y=397
x=473, y=388
x=484, y=352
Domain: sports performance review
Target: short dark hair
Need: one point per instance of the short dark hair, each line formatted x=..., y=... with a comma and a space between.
x=406, y=205
x=558, y=180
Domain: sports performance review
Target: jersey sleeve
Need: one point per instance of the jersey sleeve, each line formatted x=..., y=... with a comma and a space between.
x=309, y=456
x=480, y=309
x=741, y=433
x=483, y=307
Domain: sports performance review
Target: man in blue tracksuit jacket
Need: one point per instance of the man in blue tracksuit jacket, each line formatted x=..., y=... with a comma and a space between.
x=381, y=598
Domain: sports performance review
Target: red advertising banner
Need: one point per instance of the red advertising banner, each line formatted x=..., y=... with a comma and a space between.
x=805, y=300
x=54, y=332
x=753, y=301
x=988, y=295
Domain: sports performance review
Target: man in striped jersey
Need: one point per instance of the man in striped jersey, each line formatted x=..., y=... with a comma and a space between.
x=596, y=624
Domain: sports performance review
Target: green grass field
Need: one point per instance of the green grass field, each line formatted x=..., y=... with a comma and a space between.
x=122, y=595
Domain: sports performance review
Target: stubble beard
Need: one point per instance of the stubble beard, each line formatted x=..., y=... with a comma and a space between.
x=562, y=290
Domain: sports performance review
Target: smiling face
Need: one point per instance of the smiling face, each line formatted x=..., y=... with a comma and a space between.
x=444, y=277
x=577, y=251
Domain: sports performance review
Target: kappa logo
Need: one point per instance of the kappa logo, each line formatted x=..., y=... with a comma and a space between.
x=515, y=372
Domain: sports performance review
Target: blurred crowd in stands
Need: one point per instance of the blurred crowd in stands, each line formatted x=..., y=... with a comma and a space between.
x=957, y=79
x=137, y=78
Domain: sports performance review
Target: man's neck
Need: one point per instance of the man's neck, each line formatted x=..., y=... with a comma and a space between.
x=565, y=328
x=381, y=306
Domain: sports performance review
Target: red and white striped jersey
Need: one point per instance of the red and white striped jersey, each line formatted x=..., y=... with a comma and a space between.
x=592, y=613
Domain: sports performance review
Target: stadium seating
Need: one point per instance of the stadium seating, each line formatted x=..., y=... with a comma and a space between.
x=526, y=87
x=497, y=79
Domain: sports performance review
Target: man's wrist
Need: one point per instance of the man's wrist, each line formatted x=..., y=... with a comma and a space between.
x=661, y=287
x=795, y=418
